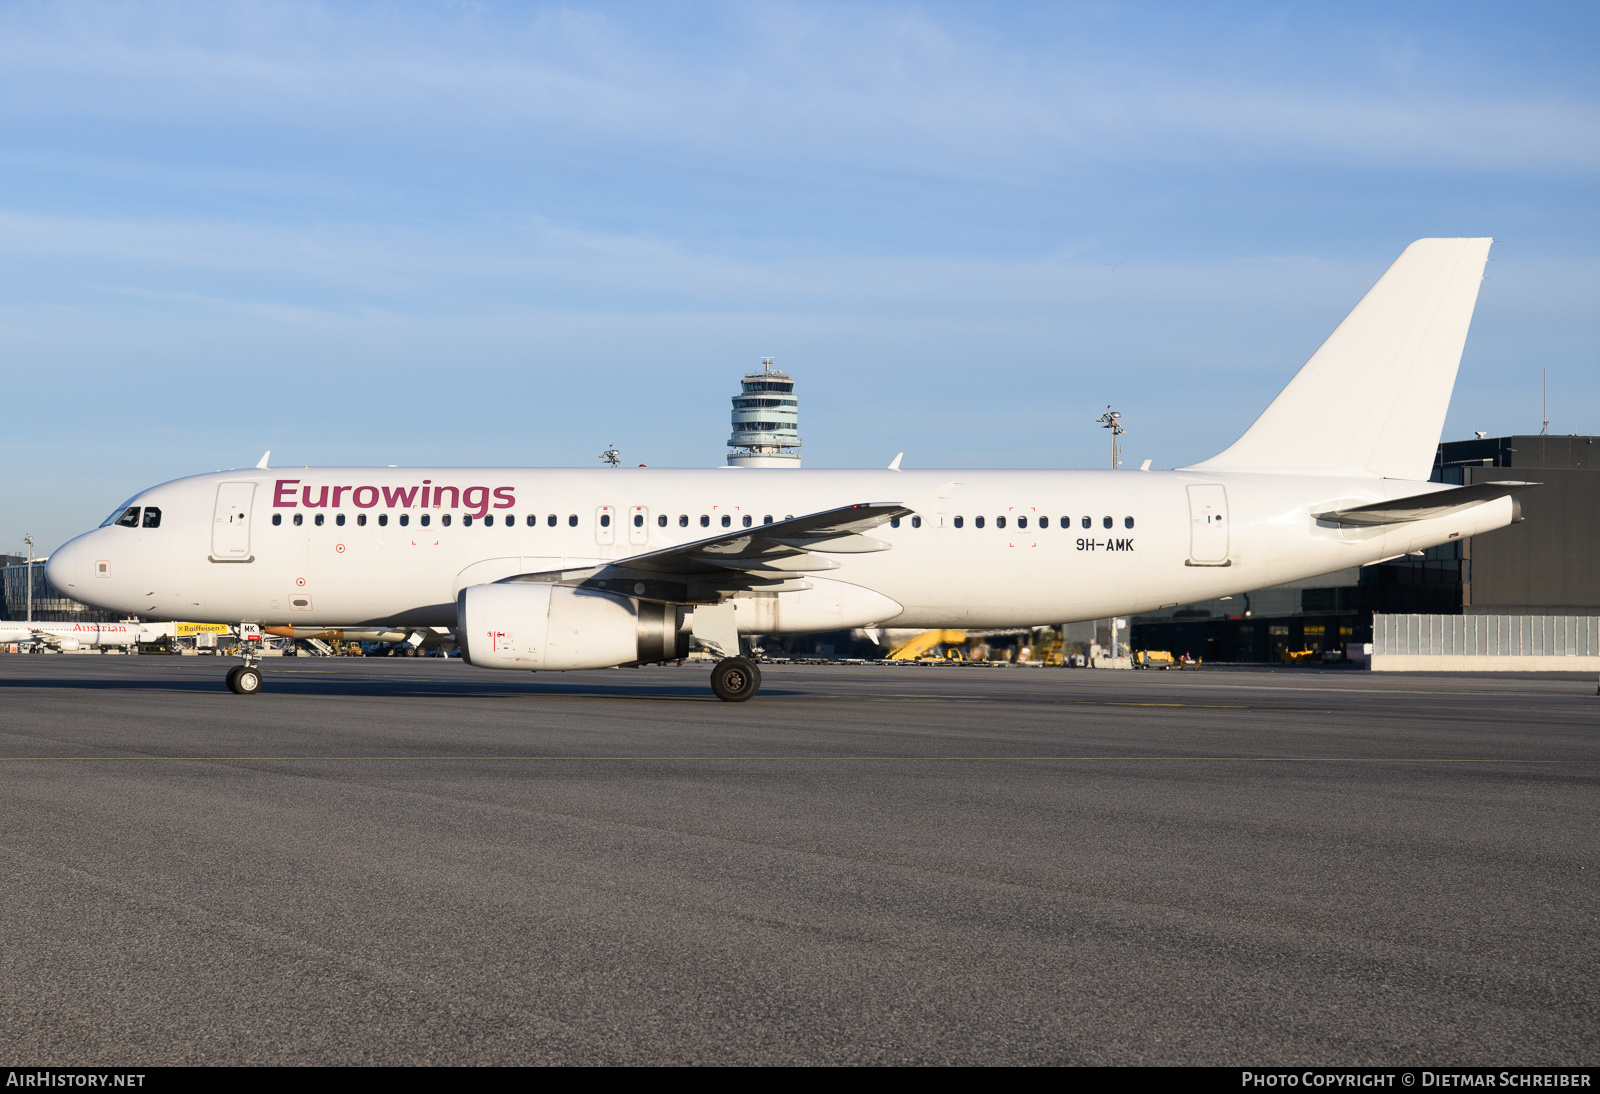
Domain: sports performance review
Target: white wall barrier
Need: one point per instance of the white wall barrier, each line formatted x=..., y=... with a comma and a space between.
x=1485, y=643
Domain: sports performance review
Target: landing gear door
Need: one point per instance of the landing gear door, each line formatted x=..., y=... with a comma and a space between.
x=1208, y=526
x=230, y=524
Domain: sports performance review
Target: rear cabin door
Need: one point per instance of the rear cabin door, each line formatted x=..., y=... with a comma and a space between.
x=1208, y=526
x=230, y=527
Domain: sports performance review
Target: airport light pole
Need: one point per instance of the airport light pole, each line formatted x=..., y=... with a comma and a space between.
x=1112, y=420
x=29, y=541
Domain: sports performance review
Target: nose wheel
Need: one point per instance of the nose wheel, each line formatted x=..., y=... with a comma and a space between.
x=735, y=679
x=244, y=680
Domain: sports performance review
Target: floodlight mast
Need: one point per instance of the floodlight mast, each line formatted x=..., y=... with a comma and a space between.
x=29, y=541
x=1112, y=420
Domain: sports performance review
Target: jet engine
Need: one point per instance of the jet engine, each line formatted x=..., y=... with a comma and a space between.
x=542, y=627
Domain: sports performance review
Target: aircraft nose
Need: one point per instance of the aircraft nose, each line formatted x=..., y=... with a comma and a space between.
x=67, y=569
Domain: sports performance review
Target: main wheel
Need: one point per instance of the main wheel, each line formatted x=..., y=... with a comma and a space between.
x=735, y=679
x=244, y=680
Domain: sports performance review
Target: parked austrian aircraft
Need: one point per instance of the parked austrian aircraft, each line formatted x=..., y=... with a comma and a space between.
x=76, y=636
x=576, y=569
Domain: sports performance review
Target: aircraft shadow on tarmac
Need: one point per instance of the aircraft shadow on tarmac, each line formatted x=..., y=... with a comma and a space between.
x=288, y=683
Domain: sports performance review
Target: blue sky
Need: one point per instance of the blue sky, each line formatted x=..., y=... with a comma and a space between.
x=462, y=233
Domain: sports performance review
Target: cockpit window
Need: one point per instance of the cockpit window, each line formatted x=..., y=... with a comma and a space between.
x=129, y=517
x=119, y=511
x=152, y=517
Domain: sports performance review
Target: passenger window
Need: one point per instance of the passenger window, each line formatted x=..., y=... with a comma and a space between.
x=727, y=520
x=424, y=520
x=383, y=520
x=339, y=520
x=916, y=522
x=277, y=519
x=605, y=520
x=661, y=521
x=532, y=520
x=705, y=521
x=638, y=520
x=129, y=519
x=999, y=522
x=977, y=522
x=318, y=520
x=466, y=520
x=959, y=522
x=1044, y=522
x=1127, y=522
x=488, y=521
x=299, y=519
x=1106, y=522
x=361, y=520
x=551, y=521
x=894, y=522
x=1088, y=522
x=152, y=517
x=572, y=521
x=683, y=520
x=445, y=520
x=746, y=521
x=767, y=519
x=1022, y=522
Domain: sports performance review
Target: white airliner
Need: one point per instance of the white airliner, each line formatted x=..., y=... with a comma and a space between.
x=576, y=569
x=76, y=636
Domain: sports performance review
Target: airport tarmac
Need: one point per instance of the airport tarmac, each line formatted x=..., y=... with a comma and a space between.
x=414, y=861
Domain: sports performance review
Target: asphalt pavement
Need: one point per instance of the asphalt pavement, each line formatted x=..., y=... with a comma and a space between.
x=414, y=861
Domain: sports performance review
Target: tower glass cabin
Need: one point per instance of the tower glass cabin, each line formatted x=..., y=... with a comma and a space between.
x=766, y=420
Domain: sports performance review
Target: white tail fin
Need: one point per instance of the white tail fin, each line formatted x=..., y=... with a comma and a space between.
x=1372, y=399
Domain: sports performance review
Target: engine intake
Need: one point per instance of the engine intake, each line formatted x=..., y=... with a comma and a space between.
x=552, y=628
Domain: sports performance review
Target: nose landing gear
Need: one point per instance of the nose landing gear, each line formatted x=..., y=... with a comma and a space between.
x=245, y=679
x=735, y=679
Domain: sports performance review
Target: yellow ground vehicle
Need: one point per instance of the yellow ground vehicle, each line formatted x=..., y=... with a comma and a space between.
x=1153, y=659
x=924, y=643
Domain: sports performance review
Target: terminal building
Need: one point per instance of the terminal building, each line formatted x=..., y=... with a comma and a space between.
x=50, y=604
x=1544, y=566
x=766, y=420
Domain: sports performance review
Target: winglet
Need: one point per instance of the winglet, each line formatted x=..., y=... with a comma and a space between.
x=263, y=464
x=894, y=464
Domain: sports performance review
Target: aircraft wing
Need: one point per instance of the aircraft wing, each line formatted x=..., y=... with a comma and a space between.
x=1423, y=506
x=773, y=557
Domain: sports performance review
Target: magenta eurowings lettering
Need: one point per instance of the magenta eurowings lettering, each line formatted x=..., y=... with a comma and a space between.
x=290, y=494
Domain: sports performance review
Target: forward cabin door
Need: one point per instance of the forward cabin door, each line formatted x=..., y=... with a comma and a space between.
x=1208, y=526
x=230, y=524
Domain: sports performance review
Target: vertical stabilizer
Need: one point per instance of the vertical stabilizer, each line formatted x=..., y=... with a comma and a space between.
x=1372, y=399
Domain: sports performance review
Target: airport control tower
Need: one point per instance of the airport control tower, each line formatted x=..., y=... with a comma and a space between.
x=766, y=420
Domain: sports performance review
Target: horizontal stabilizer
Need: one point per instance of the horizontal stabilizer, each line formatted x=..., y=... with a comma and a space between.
x=1423, y=506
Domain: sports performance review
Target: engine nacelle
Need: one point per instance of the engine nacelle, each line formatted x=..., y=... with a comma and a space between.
x=541, y=627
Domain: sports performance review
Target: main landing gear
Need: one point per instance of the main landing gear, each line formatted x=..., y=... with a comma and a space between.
x=735, y=679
